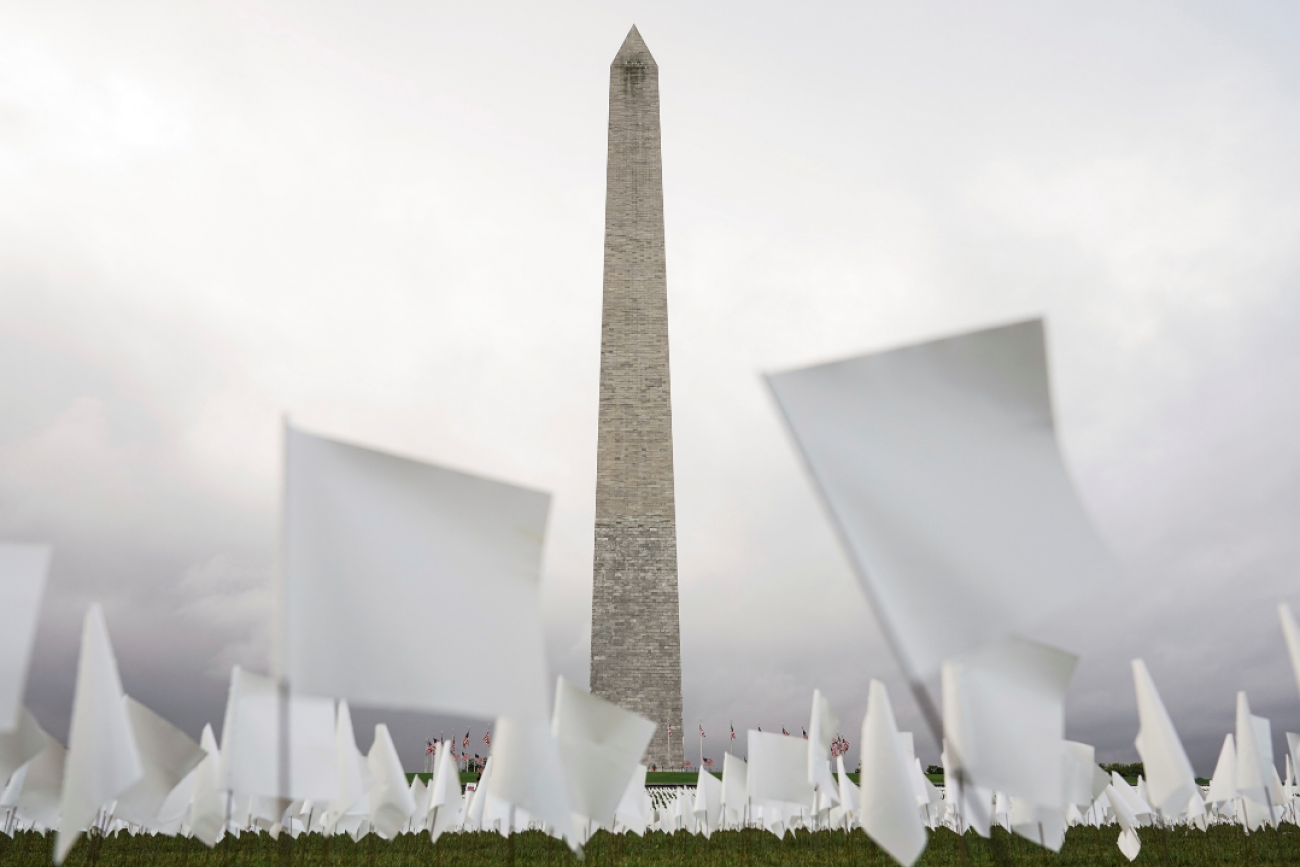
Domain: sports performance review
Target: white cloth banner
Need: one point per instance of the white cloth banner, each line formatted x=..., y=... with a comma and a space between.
x=374, y=544
x=940, y=465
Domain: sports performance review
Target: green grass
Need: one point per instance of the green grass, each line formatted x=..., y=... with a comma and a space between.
x=1222, y=845
x=669, y=778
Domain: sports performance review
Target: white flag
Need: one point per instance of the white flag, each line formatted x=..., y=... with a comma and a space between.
x=1291, y=633
x=22, y=581
x=601, y=745
x=1169, y=776
x=103, y=759
x=940, y=465
x=889, y=812
x=167, y=755
x=373, y=544
x=1004, y=718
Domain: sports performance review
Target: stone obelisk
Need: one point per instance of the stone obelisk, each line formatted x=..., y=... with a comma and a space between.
x=636, y=657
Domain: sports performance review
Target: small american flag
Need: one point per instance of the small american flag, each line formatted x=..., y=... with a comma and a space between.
x=708, y=761
x=701, y=730
x=733, y=732
x=670, y=731
x=429, y=748
x=487, y=738
x=688, y=763
x=466, y=743
x=784, y=732
x=805, y=734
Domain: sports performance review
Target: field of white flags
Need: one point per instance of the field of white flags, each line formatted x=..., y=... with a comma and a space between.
x=901, y=446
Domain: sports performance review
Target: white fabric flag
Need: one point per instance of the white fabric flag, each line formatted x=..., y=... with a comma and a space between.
x=1291, y=633
x=850, y=797
x=421, y=794
x=42, y=791
x=940, y=465
x=391, y=802
x=353, y=779
x=778, y=769
x=22, y=581
x=1004, y=718
x=635, y=810
x=889, y=812
x=1256, y=774
x=445, y=799
x=1169, y=776
x=373, y=543
x=527, y=771
x=103, y=759
x=735, y=787
x=822, y=726
x=708, y=802
x=1082, y=781
x=21, y=744
x=601, y=745
x=1129, y=842
x=250, y=741
x=1223, y=782
x=211, y=800
x=167, y=755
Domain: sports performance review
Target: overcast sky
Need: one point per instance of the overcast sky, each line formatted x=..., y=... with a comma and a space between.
x=385, y=220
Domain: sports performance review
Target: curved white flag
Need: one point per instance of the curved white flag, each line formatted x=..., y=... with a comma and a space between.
x=940, y=466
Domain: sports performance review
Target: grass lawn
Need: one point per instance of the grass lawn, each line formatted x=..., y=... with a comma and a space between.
x=1222, y=845
x=675, y=778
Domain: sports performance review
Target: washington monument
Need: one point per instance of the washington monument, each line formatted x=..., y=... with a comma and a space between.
x=636, y=656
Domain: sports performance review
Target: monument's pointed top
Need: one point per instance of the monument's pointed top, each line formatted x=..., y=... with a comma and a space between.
x=633, y=52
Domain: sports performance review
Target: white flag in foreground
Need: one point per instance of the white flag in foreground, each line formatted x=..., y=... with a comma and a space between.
x=601, y=745
x=940, y=466
x=823, y=725
x=373, y=544
x=1004, y=718
x=1292, y=634
x=526, y=771
x=23, y=743
x=889, y=811
x=103, y=759
x=22, y=580
x=167, y=755
x=1170, y=780
x=250, y=741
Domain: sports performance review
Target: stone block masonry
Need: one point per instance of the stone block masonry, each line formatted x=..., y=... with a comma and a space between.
x=635, y=632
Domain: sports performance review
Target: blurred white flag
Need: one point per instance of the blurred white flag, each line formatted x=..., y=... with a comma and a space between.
x=888, y=810
x=823, y=725
x=22, y=581
x=374, y=546
x=940, y=467
x=21, y=744
x=167, y=755
x=1170, y=780
x=250, y=741
x=1291, y=633
x=1004, y=718
x=103, y=759
x=778, y=770
x=601, y=745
